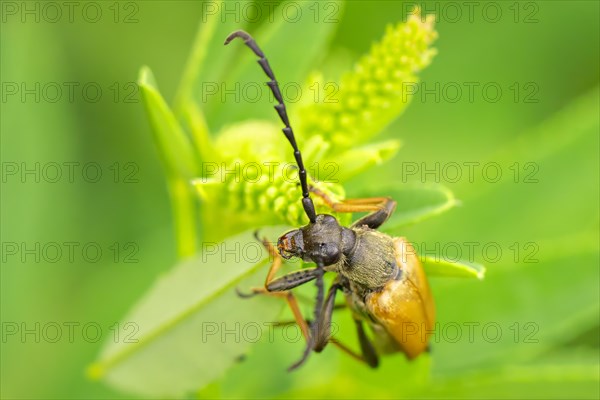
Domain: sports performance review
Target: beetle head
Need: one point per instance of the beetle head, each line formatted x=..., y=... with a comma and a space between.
x=320, y=242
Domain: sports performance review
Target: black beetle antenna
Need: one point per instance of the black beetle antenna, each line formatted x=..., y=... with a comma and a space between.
x=309, y=207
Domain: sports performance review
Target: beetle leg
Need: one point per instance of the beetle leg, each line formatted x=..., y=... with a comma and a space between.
x=366, y=347
x=340, y=306
x=277, y=261
x=381, y=208
x=292, y=303
x=285, y=282
x=371, y=360
x=323, y=327
x=323, y=331
x=368, y=354
x=279, y=287
x=375, y=219
x=292, y=280
x=275, y=266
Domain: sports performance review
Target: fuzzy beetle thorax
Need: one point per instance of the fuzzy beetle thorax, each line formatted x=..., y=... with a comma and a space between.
x=372, y=262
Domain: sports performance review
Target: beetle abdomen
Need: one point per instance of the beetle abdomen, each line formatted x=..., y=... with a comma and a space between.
x=405, y=306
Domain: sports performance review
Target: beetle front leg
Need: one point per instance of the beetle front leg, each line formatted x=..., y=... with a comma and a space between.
x=292, y=303
x=323, y=333
x=323, y=326
x=280, y=287
x=381, y=208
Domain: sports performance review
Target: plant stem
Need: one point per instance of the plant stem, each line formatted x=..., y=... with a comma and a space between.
x=184, y=216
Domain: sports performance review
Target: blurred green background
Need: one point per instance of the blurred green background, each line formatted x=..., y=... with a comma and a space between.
x=552, y=46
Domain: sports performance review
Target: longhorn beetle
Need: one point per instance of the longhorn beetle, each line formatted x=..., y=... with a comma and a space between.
x=381, y=277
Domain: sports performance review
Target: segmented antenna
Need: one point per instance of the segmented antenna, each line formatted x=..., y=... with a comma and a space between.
x=309, y=207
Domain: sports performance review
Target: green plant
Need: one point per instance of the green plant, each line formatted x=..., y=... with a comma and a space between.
x=339, y=133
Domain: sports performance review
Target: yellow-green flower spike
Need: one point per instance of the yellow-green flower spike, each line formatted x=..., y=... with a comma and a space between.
x=335, y=138
x=272, y=199
x=377, y=90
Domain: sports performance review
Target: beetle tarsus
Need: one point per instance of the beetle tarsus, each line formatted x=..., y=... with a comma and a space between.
x=245, y=295
x=307, y=351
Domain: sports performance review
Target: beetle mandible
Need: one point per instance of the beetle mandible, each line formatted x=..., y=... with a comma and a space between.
x=381, y=276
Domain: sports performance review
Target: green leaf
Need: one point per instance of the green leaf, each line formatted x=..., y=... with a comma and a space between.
x=356, y=160
x=539, y=145
x=178, y=158
x=191, y=326
x=543, y=379
x=543, y=291
x=544, y=304
x=416, y=202
x=173, y=145
x=438, y=266
x=291, y=46
x=579, y=117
